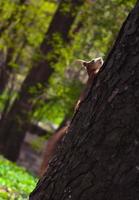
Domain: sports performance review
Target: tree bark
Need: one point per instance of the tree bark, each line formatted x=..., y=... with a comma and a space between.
x=13, y=129
x=99, y=156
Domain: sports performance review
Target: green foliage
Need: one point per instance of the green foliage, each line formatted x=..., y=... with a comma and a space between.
x=92, y=35
x=15, y=182
x=23, y=27
x=100, y=23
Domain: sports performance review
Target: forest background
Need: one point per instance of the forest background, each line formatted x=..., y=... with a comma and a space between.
x=40, y=107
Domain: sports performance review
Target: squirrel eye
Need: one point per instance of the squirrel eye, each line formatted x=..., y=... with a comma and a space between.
x=84, y=64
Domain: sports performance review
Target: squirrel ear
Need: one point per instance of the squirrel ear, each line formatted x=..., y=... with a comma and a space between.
x=82, y=62
x=92, y=61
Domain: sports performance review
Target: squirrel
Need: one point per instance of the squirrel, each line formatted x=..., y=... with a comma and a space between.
x=92, y=67
x=51, y=148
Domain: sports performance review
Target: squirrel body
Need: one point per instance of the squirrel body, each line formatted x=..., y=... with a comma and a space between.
x=92, y=67
x=50, y=149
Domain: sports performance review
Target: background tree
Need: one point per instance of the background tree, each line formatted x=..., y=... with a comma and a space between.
x=14, y=40
x=24, y=35
x=17, y=45
x=99, y=156
x=37, y=78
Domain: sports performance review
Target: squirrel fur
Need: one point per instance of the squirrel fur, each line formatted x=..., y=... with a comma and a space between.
x=92, y=67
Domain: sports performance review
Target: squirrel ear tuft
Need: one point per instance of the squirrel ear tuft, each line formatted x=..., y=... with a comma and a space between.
x=82, y=62
x=92, y=61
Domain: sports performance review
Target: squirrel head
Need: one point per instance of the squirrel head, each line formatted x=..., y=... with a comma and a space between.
x=92, y=66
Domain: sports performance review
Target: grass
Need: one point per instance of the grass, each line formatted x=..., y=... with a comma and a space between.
x=15, y=182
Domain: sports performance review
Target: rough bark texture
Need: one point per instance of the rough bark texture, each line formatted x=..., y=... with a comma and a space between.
x=99, y=156
x=12, y=130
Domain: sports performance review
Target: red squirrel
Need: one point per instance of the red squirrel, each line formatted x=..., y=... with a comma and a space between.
x=92, y=67
x=51, y=148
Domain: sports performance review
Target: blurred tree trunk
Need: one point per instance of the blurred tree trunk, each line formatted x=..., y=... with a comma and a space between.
x=35, y=129
x=5, y=68
x=12, y=130
x=99, y=157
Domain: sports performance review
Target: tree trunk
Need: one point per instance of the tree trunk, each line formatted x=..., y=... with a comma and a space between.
x=13, y=129
x=99, y=156
x=35, y=129
x=5, y=70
